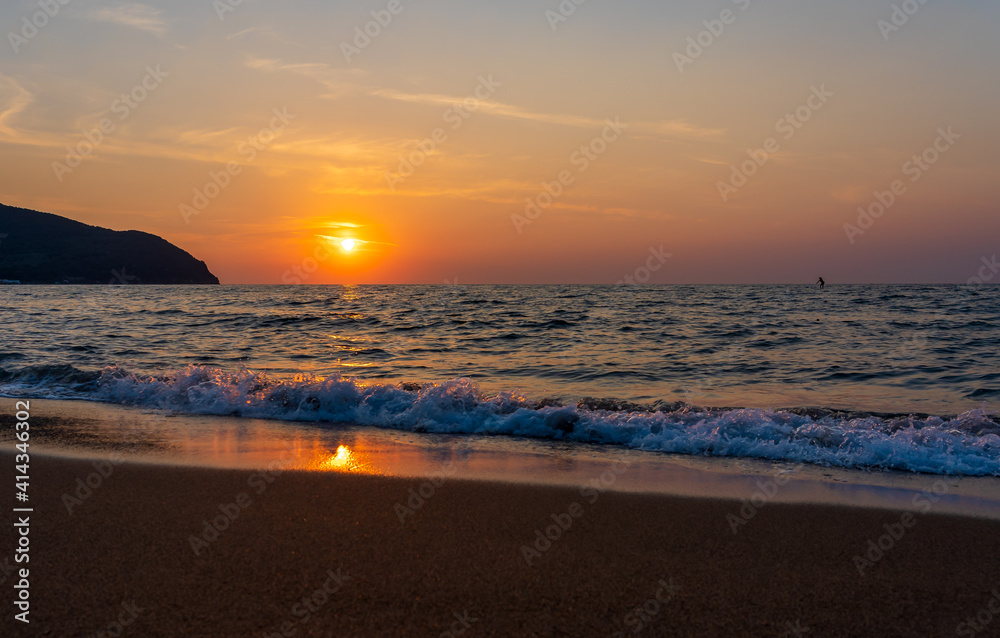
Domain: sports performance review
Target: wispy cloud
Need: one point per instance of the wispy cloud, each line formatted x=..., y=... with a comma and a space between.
x=131, y=14
x=334, y=80
x=14, y=98
x=343, y=225
x=264, y=32
x=204, y=137
x=666, y=128
x=240, y=34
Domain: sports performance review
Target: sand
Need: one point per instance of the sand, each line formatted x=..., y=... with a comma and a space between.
x=456, y=565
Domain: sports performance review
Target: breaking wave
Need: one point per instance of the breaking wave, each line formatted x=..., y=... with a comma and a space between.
x=967, y=444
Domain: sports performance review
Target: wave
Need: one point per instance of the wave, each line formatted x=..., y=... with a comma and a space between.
x=967, y=444
x=62, y=379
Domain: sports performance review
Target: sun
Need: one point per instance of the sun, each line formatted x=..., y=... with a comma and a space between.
x=348, y=244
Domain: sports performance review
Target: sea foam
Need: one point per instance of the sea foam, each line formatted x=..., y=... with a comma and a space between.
x=967, y=444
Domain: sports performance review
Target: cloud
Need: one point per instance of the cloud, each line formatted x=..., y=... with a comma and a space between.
x=336, y=225
x=334, y=81
x=240, y=34
x=131, y=14
x=265, y=32
x=14, y=98
x=666, y=128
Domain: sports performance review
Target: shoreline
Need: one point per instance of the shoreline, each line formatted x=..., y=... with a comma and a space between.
x=90, y=430
x=460, y=554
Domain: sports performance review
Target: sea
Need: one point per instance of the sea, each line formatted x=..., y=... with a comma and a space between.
x=871, y=377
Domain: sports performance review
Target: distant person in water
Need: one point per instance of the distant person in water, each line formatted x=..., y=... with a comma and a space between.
x=822, y=284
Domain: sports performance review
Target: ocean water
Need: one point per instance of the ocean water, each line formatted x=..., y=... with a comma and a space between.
x=889, y=377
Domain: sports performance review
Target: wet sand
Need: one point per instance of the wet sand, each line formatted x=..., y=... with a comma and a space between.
x=456, y=565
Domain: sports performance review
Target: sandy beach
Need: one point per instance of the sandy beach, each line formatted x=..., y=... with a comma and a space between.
x=327, y=554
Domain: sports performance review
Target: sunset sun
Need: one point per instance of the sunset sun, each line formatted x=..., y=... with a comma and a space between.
x=348, y=244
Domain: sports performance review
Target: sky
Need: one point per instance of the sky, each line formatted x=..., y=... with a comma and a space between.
x=720, y=141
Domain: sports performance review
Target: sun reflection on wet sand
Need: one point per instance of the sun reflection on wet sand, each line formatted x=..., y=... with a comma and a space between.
x=343, y=460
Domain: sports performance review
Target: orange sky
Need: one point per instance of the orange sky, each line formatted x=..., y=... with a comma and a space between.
x=494, y=102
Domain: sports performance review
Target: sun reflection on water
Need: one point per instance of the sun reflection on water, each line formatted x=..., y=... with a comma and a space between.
x=343, y=460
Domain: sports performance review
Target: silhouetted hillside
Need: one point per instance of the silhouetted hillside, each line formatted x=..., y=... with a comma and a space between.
x=41, y=248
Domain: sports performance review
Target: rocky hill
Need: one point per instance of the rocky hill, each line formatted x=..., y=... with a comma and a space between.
x=41, y=248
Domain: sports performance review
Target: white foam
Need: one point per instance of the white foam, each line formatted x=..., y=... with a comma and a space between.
x=965, y=445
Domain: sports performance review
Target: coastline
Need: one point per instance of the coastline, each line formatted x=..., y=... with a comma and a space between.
x=462, y=551
x=93, y=431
